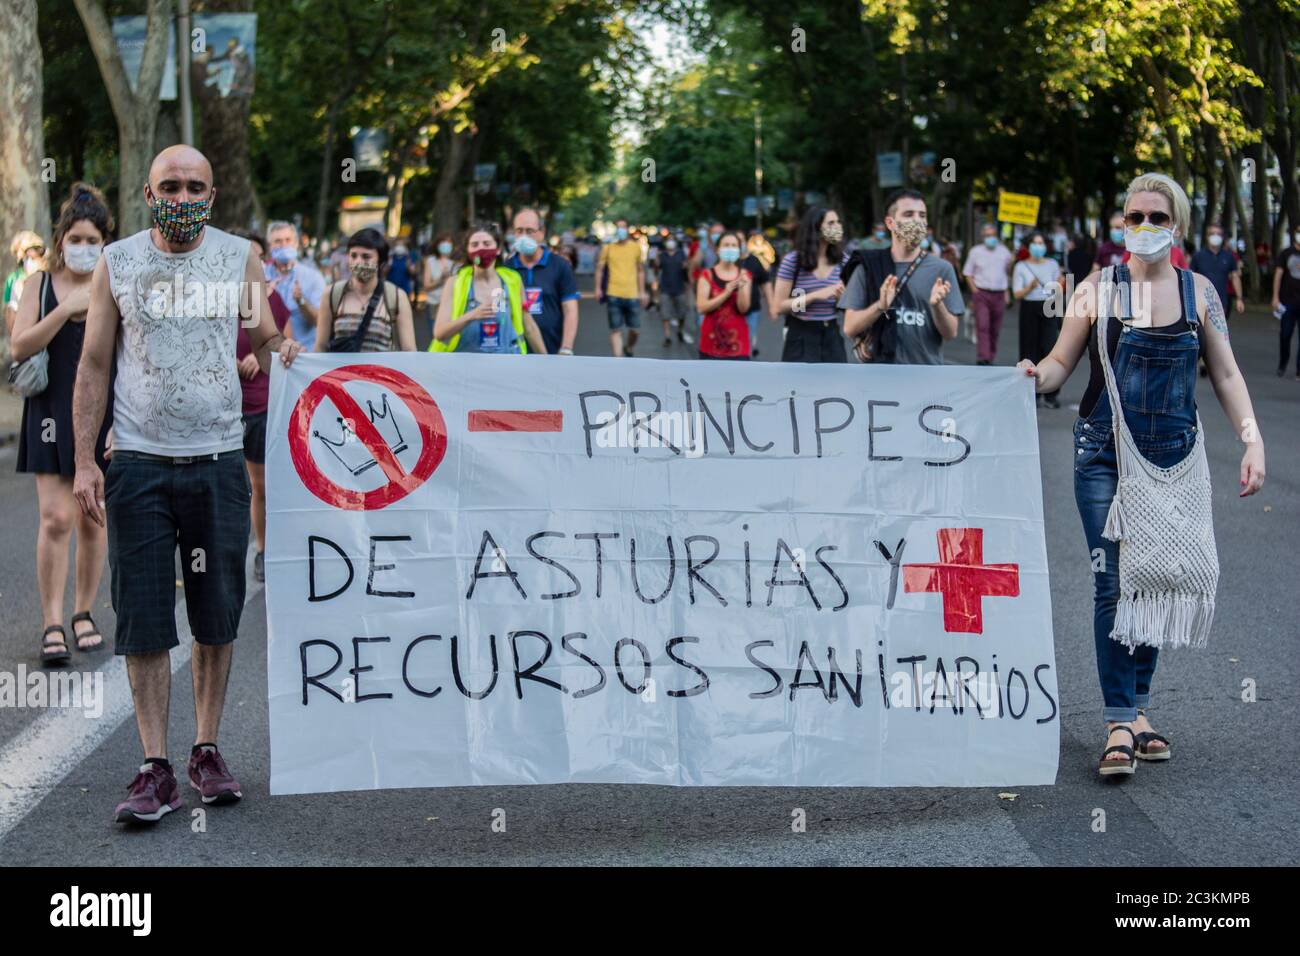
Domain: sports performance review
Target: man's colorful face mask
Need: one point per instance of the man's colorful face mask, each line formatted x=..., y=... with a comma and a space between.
x=179, y=221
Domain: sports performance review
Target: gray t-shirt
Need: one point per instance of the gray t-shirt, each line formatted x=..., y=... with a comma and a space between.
x=919, y=342
x=177, y=390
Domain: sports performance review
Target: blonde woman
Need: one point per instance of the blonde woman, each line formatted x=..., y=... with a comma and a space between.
x=1175, y=316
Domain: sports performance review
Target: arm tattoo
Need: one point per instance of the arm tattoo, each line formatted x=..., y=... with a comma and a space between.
x=1214, y=310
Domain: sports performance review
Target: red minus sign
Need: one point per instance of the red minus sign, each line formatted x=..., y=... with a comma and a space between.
x=513, y=420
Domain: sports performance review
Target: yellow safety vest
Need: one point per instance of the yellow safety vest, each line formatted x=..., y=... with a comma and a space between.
x=514, y=287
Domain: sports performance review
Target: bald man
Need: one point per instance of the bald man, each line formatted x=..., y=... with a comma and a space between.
x=167, y=304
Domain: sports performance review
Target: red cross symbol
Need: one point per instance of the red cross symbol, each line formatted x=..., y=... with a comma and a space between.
x=963, y=579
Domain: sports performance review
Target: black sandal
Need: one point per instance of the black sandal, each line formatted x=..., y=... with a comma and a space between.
x=86, y=635
x=1144, y=740
x=49, y=656
x=1107, y=767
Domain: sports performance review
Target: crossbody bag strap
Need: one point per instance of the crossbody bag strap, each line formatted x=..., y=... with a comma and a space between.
x=902, y=283
x=359, y=336
x=1119, y=427
x=40, y=304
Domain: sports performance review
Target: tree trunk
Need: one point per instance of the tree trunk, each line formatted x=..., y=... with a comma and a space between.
x=322, y=224
x=446, y=197
x=24, y=199
x=136, y=113
x=223, y=130
x=1283, y=132
x=1177, y=157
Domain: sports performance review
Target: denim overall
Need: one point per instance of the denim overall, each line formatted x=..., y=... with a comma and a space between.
x=1155, y=372
x=471, y=335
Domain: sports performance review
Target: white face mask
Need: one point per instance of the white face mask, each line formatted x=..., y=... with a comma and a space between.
x=31, y=265
x=81, y=257
x=1149, y=243
x=1297, y=237
x=1215, y=240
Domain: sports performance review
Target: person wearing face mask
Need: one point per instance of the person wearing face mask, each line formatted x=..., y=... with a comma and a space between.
x=52, y=316
x=28, y=250
x=1286, y=300
x=674, y=295
x=1143, y=351
x=623, y=268
x=344, y=306
x=1216, y=261
x=298, y=283
x=808, y=288
x=706, y=255
x=1034, y=282
x=988, y=266
x=722, y=295
x=550, y=289
x=1111, y=251
x=439, y=267
x=905, y=298
x=879, y=238
x=177, y=472
x=483, y=311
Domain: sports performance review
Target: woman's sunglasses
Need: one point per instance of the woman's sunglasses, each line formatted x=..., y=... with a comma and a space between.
x=1136, y=218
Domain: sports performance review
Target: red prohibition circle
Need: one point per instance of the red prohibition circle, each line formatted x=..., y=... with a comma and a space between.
x=400, y=483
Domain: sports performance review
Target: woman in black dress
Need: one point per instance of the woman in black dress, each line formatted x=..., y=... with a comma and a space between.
x=52, y=316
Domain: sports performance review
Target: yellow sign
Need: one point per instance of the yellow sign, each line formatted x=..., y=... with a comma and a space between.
x=1018, y=207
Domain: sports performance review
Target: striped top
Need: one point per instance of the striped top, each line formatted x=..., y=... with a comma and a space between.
x=379, y=336
x=823, y=310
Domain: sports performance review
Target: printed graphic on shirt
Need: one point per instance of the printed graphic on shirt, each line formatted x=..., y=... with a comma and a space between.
x=533, y=300
x=177, y=386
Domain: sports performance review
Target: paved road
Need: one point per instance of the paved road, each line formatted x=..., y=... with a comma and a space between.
x=1228, y=797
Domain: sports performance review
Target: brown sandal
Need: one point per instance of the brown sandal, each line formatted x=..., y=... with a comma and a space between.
x=50, y=656
x=1107, y=767
x=86, y=635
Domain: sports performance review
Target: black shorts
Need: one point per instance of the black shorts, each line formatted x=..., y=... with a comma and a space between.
x=813, y=341
x=153, y=506
x=255, y=438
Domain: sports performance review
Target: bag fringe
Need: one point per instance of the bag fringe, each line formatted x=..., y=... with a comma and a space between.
x=1115, y=523
x=1163, y=620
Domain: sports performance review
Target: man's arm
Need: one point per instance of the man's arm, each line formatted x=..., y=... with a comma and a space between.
x=569, y=333
x=569, y=296
x=90, y=393
x=1277, y=287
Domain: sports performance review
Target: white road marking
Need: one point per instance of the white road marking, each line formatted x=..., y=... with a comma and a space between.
x=42, y=755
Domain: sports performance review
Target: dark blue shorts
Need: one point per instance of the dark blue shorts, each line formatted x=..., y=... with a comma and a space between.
x=154, y=506
x=623, y=312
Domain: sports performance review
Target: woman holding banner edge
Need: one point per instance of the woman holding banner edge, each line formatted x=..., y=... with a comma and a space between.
x=1154, y=361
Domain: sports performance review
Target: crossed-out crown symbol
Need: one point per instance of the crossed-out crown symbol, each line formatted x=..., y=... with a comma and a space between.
x=351, y=451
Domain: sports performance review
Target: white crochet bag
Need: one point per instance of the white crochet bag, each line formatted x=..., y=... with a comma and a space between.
x=1163, y=521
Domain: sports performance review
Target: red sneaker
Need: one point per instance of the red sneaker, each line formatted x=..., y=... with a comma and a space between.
x=209, y=776
x=151, y=796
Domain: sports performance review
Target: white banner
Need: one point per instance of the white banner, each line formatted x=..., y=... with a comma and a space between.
x=487, y=570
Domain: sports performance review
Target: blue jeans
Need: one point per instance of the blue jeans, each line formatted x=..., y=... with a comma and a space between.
x=1125, y=677
x=623, y=312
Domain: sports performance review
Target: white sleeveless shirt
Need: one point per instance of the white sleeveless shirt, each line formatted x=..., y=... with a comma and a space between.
x=177, y=390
